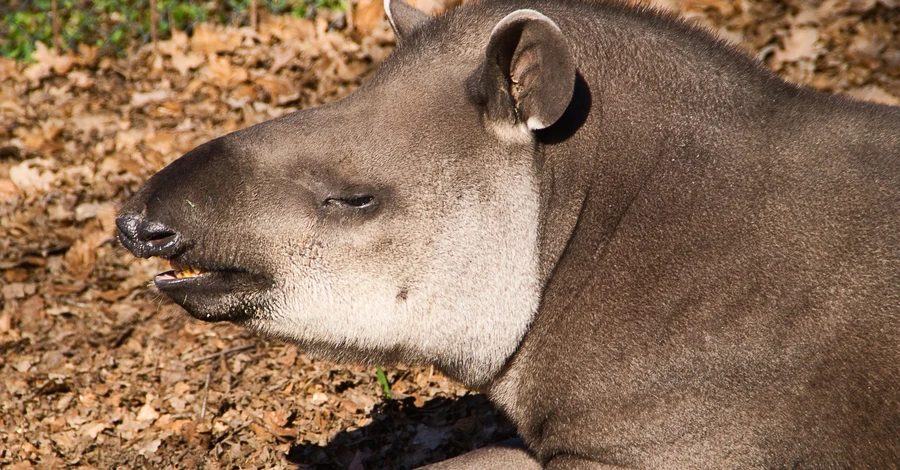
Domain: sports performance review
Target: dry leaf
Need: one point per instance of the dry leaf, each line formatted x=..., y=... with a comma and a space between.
x=149, y=447
x=220, y=71
x=89, y=210
x=261, y=432
x=7, y=188
x=88, y=122
x=147, y=413
x=288, y=29
x=32, y=175
x=81, y=79
x=82, y=255
x=33, y=308
x=179, y=38
x=281, y=56
x=800, y=44
x=8, y=69
x=113, y=295
x=16, y=385
x=185, y=62
x=92, y=429
x=275, y=422
x=60, y=64
x=140, y=99
x=278, y=417
x=209, y=39
x=875, y=94
x=369, y=13
x=318, y=398
x=433, y=7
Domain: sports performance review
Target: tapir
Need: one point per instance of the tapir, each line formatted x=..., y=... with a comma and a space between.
x=648, y=250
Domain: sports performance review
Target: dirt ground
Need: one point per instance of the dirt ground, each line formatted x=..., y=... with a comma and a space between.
x=99, y=371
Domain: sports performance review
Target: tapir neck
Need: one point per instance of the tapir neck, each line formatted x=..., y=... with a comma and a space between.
x=629, y=124
x=629, y=116
x=678, y=145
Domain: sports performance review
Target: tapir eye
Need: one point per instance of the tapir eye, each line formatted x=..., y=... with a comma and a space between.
x=356, y=202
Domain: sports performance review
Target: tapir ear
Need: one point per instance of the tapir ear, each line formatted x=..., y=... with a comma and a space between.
x=403, y=17
x=529, y=72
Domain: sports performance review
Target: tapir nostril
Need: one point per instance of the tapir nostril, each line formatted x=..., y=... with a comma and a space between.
x=150, y=231
x=158, y=238
x=161, y=240
x=147, y=238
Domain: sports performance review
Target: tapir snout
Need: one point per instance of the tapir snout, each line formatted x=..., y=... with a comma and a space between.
x=177, y=215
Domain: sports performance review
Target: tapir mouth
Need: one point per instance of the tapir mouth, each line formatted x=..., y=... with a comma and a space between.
x=211, y=292
x=179, y=271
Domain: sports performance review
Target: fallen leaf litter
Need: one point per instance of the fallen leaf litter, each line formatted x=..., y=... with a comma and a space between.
x=98, y=371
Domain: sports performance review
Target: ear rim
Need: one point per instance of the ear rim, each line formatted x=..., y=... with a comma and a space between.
x=408, y=19
x=498, y=69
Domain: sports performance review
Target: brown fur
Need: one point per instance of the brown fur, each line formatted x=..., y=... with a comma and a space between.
x=717, y=258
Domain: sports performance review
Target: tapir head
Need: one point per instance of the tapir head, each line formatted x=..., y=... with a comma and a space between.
x=398, y=224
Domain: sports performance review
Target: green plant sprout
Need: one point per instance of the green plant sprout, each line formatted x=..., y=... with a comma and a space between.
x=382, y=379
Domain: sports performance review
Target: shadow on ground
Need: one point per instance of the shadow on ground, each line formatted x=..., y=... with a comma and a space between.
x=403, y=435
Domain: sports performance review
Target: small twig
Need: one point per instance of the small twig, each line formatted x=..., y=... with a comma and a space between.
x=226, y=436
x=225, y=352
x=279, y=385
x=14, y=345
x=119, y=338
x=349, y=14
x=49, y=387
x=39, y=391
x=221, y=355
x=206, y=389
x=54, y=8
x=310, y=381
x=154, y=19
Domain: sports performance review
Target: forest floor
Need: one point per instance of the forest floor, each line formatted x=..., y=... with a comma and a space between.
x=99, y=371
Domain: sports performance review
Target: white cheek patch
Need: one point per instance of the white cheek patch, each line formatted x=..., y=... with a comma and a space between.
x=484, y=293
x=461, y=299
x=348, y=308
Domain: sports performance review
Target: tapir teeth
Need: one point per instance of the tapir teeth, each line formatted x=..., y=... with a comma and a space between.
x=182, y=270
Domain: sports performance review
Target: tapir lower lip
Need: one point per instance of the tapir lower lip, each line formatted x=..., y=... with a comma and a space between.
x=215, y=295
